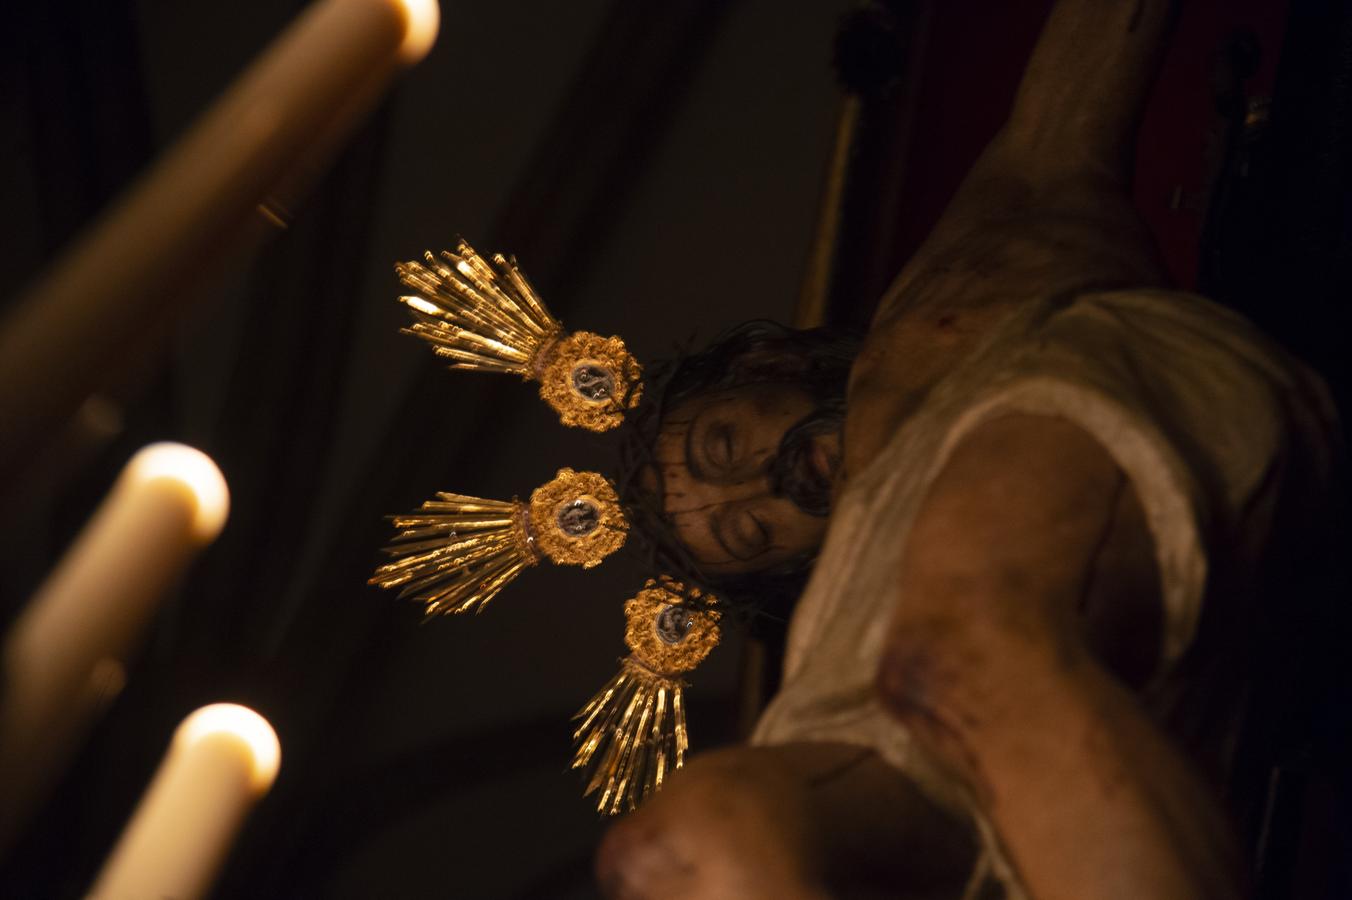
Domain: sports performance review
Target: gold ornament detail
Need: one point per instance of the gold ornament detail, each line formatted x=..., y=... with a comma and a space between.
x=632, y=733
x=590, y=380
x=484, y=315
x=576, y=519
x=456, y=553
x=663, y=641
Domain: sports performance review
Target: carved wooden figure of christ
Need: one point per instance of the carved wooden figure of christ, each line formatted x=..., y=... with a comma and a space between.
x=1051, y=464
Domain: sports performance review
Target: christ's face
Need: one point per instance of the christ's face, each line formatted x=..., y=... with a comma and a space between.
x=727, y=471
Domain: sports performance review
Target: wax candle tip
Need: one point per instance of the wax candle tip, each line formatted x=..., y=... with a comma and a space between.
x=194, y=470
x=423, y=19
x=241, y=722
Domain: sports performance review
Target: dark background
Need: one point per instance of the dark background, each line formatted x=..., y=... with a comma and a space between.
x=657, y=169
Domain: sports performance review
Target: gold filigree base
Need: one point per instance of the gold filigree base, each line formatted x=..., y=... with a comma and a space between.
x=594, y=499
x=615, y=385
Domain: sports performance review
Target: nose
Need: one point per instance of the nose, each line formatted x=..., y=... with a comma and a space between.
x=757, y=468
x=743, y=483
x=756, y=477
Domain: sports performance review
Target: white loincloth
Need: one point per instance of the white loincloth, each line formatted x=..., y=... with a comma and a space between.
x=1195, y=406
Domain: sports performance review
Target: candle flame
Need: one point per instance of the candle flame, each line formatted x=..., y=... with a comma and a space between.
x=422, y=19
x=196, y=472
x=252, y=730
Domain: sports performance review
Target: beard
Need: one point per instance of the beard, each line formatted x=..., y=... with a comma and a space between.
x=793, y=474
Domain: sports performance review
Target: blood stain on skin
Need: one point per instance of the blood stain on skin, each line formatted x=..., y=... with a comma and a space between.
x=909, y=683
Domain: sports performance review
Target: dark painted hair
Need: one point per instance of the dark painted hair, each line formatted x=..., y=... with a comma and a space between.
x=816, y=361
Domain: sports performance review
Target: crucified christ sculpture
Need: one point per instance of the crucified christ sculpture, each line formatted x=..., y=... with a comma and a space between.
x=1038, y=502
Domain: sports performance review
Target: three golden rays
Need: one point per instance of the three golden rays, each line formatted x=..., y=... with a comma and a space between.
x=455, y=553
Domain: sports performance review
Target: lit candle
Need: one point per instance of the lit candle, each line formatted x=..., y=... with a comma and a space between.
x=65, y=653
x=125, y=281
x=220, y=761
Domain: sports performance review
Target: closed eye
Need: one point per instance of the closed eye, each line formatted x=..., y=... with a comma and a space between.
x=741, y=535
x=723, y=442
x=719, y=447
x=753, y=536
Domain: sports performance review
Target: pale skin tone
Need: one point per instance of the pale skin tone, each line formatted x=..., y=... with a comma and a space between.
x=1032, y=606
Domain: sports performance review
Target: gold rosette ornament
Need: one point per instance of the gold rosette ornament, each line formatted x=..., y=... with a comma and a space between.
x=632, y=734
x=456, y=553
x=485, y=316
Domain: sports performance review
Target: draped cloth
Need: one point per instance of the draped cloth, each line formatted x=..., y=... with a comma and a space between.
x=1207, y=418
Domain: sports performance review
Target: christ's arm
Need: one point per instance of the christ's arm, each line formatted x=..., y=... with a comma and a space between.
x=988, y=666
x=1044, y=214
x=1047, y=205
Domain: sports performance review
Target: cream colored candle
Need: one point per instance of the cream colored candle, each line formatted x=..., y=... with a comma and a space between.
x=64, y=654
x=221, y=760
x=124, y=282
